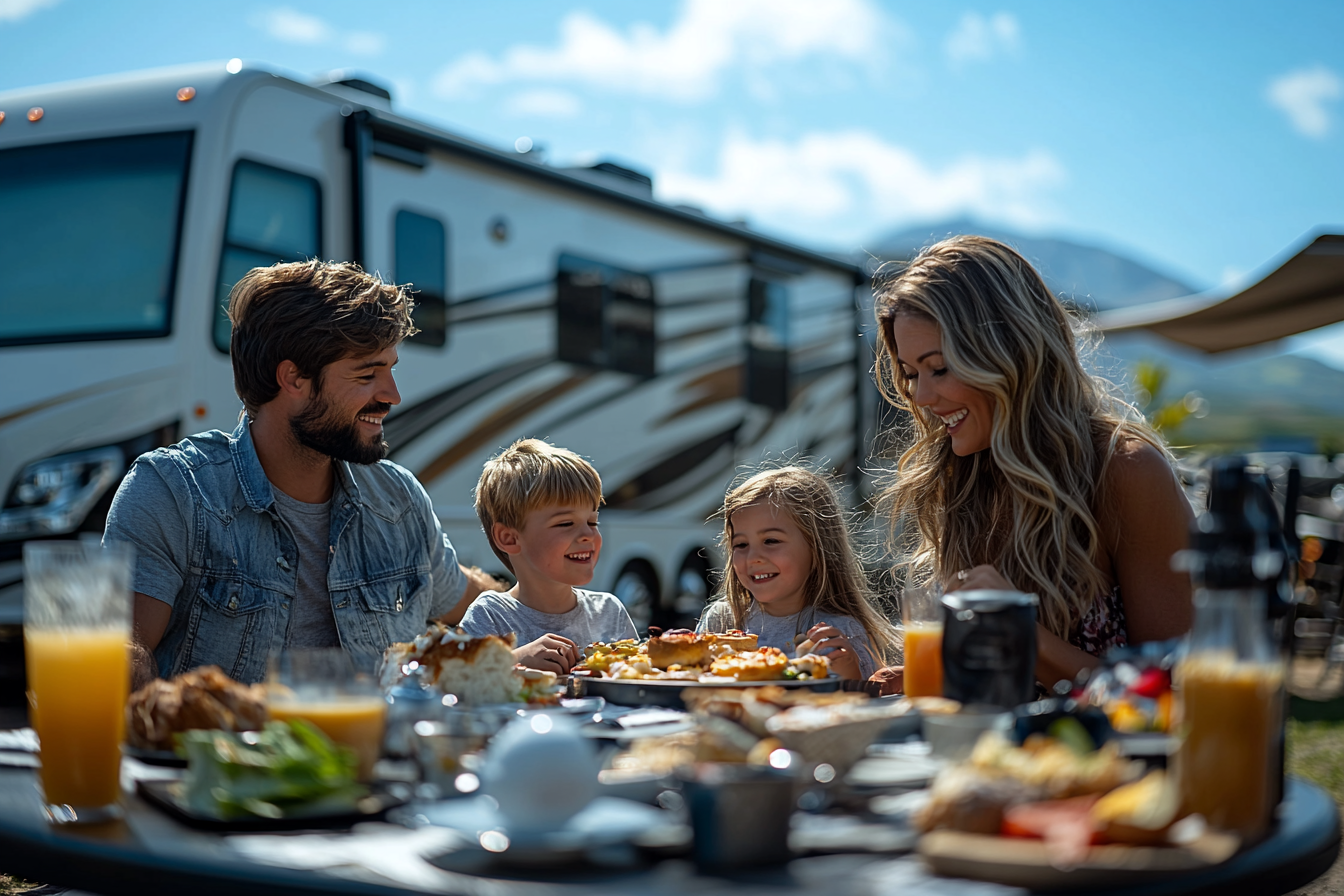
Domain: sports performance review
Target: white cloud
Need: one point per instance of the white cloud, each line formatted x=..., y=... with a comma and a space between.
x=848, y=184
x=295, y=27
x=685, y=62
x=1303, y=95
x=979, y=39
x=365, y=43
x=543, y=103
x=17, y=10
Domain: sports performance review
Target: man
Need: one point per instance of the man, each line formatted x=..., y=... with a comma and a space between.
x=291, y=532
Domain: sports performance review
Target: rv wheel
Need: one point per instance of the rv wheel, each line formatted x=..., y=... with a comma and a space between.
x=693, y=590
x=637, y=588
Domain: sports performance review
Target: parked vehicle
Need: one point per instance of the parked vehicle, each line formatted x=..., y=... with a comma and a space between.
x=567, y=304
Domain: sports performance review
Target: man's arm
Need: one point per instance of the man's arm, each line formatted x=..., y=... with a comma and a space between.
x=478, y=580
x=148, y=623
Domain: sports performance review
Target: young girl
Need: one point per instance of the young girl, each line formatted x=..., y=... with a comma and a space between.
x=792, y=576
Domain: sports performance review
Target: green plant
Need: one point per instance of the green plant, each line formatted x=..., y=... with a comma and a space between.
x=1165, y=416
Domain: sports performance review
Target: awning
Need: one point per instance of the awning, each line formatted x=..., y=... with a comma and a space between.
x=1303, y=293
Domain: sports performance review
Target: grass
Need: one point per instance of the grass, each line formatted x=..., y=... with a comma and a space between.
x=1316, y=753
x=9, y=885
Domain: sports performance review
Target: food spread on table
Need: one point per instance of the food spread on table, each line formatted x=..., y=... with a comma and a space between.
x=477, y=671
x=286, y=769
x=683, y=655
x=203, y=698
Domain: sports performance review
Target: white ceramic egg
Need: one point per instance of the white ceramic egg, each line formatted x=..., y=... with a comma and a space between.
x=541, y=771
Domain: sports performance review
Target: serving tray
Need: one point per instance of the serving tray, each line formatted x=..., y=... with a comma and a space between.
x=1026, y=863
x=634, y=692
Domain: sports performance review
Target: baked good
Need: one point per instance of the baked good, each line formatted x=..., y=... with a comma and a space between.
x=762, y=664
x=478, y=671
x=202, y=698
x=737, y=640
x=680, y=647
x=599, y=656
x=810, y=666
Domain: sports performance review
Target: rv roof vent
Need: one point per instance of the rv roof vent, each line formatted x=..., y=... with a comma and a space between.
x=630, y=174
x=363, y=85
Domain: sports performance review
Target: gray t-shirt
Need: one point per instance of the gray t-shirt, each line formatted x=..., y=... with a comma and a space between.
x=312, y=622
x=598, y=617
x=785, y=632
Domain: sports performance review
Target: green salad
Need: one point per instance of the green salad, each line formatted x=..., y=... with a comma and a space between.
x=289, y=769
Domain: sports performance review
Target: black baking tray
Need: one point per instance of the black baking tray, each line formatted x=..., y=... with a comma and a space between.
x=380, y=800
x=633, y=692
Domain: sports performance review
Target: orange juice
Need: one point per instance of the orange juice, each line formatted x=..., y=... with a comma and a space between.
x=355, y=721
x=923, y=659
x=77, y=686
x=1231, y=712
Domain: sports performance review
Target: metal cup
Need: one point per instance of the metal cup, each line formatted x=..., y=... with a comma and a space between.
x=989, y=647
x=739, y=814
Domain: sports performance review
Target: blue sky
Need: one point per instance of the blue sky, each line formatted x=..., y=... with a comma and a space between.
x=1203, y=138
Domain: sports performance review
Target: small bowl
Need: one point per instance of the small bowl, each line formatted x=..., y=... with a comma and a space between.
x=952, y=737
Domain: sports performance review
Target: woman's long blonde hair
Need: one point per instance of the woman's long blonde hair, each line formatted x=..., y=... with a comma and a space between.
x=1029, y=504
x=837, y=583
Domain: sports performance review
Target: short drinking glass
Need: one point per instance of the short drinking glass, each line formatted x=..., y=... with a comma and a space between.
x=77, y=640
x=922, y=615
x=322, y=686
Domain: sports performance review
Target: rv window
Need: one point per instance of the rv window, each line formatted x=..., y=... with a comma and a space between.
x=90, y=235
x=274, y=215
x=767, y=379
x=421, y=260
x=605, y=317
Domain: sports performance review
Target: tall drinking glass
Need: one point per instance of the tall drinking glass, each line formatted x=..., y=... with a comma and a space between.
x=322, y=686
x=77, y=637
x=922, y=615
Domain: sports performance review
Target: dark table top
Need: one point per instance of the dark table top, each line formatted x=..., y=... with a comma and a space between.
x=147, y=850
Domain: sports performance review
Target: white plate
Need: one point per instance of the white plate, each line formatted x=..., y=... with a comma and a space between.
x=604, y=822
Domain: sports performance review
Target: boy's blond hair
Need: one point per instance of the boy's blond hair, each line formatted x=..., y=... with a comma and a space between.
x=529, y=474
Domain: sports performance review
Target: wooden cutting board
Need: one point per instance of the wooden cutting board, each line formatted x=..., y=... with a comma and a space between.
x=1025, y=863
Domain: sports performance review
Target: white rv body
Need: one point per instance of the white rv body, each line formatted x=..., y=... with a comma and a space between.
x=711, y=347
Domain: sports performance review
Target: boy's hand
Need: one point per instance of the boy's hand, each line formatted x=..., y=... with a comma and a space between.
x=827, y=641
x=550, y=653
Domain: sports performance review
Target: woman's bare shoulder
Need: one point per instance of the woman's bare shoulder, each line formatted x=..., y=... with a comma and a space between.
x=1140, y=476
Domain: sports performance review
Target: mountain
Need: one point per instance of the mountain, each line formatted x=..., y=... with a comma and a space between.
x=1094, y=278
x=1256, y=397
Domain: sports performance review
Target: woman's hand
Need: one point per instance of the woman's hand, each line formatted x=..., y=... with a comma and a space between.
x=891, y=679
x=827, y=641
x=549, y=653
x=983, y=576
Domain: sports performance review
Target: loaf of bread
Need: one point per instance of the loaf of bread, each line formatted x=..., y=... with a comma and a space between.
x=680, y=647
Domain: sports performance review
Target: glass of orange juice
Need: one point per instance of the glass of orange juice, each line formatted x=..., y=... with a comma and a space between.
x=77, y=640
x=322, y=686
x=922, y=615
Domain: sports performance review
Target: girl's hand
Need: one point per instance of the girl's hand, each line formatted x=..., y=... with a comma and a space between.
x=827, y=641
x=977, y=577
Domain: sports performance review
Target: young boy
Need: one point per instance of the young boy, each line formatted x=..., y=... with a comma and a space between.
x=538, y=506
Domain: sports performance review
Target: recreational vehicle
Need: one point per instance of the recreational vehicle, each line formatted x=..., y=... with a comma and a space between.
x=668, y=347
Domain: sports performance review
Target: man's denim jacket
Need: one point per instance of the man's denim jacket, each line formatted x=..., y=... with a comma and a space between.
x=201, y=515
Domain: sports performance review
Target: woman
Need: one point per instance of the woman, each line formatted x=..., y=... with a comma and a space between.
x=1025, y=472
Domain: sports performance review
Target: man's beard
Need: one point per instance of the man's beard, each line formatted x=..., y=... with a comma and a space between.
x=317, y=427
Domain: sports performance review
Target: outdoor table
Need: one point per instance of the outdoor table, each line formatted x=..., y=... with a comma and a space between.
x=149, y=852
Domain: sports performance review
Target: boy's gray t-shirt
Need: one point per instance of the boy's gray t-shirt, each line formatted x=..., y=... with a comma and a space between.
x=785, y=632
x=312, y=622
x=597, y=617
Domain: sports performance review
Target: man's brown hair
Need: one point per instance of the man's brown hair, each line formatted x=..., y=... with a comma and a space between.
x=529, y=474
x=312, y=313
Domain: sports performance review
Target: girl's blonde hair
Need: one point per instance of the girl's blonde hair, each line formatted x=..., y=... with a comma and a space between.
x=837, y=583
x=1028, y=505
